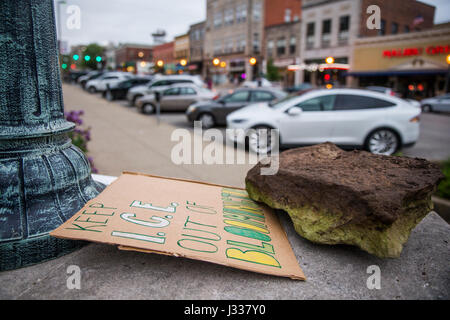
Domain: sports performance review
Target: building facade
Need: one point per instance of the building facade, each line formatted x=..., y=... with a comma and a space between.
x=282, y=49
x=134, y=58
x=233, y=34
x=398, y=17
x=181, y=52
x=331, y=28
x=164, y=53
x=196, y=48
x=413, y=64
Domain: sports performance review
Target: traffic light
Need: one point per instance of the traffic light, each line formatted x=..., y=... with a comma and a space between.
x=98, y=59
x=87, y=58
x=64, y=66
x=327, y=77
x=76, y=57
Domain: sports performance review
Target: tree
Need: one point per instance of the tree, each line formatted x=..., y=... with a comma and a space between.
x=88, y=59
x=272, y=71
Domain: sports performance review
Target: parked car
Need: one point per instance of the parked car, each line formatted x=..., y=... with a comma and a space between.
x=214, y=112
x=177, y=97
x=120, y=89
x=99, y=84
x=380, y=123
x=436, y=104
x=161, y=83
x=73, y=75
x=384, y=90
x=90, y=76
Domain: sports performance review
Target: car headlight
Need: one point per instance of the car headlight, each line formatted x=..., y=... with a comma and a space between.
x=191, y=109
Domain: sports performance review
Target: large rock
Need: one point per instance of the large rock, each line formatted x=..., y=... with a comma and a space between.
x=354, y=197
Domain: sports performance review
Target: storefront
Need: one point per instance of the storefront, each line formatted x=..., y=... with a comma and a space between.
x=413, y=64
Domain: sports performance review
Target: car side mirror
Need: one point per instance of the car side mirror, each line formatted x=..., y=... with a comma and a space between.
x=295, y=111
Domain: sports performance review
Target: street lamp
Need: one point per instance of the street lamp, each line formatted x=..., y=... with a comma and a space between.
x=329, y=60
x=216, y=61
x=252, y=61
x=223, y=64
x=183, y=62
x=160, y=63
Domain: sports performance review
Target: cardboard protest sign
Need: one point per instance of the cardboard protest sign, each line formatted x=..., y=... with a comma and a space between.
x=185, y=218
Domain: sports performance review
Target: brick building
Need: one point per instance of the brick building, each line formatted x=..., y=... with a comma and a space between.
x=398, y=17
x=165, y=53
x=281, y=11
x=131, y=57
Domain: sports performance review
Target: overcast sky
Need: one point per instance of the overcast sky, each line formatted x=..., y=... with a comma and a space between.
x=135, y=20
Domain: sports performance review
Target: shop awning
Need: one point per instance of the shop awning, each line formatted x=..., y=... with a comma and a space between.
x=385, y=73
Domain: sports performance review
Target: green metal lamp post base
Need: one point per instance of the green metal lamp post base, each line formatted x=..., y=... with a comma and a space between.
x=44, y=179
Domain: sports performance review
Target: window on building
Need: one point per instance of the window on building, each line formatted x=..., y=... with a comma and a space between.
x=217, y=47
x=382, y=30
x=229, y=16
x=229, y=45
x=270, y=48
x=256, y=44
x=292, y=45
x=257, y=11
x=281, y=46
x=344, y=28
x=241, y=13
x=241, y=43
x=287, y=15
x=217, y=19
x=310, y=31
x=394, y=28
x=326, y=33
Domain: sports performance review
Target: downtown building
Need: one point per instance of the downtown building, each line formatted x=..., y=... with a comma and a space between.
x=331, y=28
x=135, y=58
x=234, y=31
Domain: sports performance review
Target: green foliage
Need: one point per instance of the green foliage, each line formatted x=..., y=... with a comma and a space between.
x=444, y=187
x=92, y=50
x=272, y=71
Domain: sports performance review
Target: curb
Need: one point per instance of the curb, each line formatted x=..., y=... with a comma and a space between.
x=442, y=207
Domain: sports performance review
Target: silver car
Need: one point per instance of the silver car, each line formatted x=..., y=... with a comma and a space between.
x=438, y=104
x=177, y=97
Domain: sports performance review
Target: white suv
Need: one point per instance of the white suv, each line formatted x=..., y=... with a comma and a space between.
x=380, y=123
x=110, y=78
x=161, y=82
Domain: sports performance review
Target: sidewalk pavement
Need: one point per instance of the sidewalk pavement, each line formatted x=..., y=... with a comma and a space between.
x=126, y=140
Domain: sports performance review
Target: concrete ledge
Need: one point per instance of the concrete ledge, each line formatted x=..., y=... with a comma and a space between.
x=442, y=207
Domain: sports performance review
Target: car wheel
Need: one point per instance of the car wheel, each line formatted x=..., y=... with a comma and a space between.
x=207, y=120
x=133, y=102
x=92, y=89
x=383, y=141
x=263, y=140
x=427, y=108
x=148, y=108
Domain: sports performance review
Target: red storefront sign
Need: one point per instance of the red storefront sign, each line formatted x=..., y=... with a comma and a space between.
x=410, y=52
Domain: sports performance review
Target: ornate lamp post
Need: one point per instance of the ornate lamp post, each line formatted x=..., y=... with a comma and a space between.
x=44, y=179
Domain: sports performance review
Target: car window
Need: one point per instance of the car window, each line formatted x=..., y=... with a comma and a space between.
x=259, y=96
x=357, y=102
x=323, y=103
x=180, y=81
x=160, y=83
x=241, y=96
x=187, y=91
x=172, y=92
